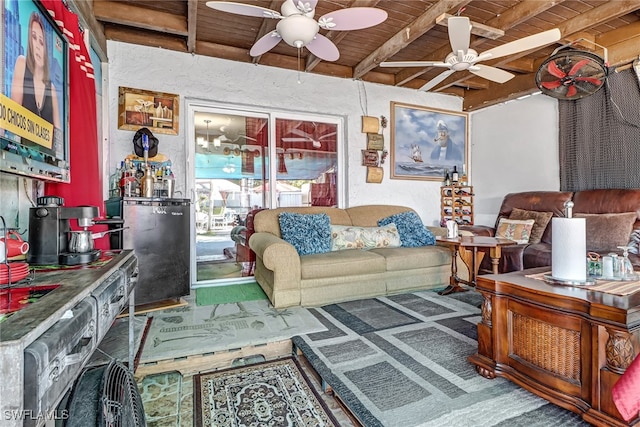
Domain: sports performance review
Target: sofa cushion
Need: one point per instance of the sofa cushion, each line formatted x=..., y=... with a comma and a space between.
x=308, y=233
x=514, y=229
x=340, y=264
x=605, y=232
x=399, y=259
x=541, y=220
x=412, y=231
x=268, y=220
x=351, y=237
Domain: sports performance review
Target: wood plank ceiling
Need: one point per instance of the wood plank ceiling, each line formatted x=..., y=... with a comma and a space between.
x=409, y=33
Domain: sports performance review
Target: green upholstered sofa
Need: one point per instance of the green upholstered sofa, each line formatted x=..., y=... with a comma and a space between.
x=312, y=280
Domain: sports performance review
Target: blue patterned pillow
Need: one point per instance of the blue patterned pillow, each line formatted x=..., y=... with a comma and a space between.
x=308, y=233
x=412, y=231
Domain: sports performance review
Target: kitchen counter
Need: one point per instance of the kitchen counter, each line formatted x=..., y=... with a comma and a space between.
x=106, y=288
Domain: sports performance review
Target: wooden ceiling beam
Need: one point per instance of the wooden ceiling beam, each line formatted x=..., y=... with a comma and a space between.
x=140, y=17
x=192, y=23
x=406, y=36
x=133, y=36
x=496, y=93
x=222, y=51
x=509, y=19
x=623, y=52
x=520, y=65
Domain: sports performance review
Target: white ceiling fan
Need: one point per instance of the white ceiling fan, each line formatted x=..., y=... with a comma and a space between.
x=298, y=28
x=306, y=137
x=463, y=58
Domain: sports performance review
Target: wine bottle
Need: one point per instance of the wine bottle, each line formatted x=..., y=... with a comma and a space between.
x=454, y=175
x=447, y=180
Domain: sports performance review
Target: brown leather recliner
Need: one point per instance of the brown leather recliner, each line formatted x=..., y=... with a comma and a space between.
x=524, y=256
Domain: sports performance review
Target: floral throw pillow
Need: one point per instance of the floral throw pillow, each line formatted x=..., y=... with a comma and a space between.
x=308, y=233
x=412, y=231
x=513, y=229
x=351, y=237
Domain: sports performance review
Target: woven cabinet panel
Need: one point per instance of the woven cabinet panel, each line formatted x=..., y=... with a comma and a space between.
x=551, y=348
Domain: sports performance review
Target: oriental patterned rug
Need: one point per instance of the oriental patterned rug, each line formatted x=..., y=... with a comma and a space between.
x=275, y=393
x=402, y=361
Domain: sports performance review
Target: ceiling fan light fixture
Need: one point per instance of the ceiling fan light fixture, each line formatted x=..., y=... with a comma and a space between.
x=297, y=30
x=289, y=8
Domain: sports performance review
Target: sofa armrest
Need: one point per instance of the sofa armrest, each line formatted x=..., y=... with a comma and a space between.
x=278, y=256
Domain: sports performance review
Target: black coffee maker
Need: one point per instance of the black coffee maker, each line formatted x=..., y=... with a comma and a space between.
x=49, y=230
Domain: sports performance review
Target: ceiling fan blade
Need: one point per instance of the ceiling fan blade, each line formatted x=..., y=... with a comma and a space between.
x=323, y=48
x=265, y=44
x=520, y=45
x=295, y=139
x=326, y=135
x=437, y=79
x=459, y=33
x=572, y=91
x=413, y=64
x=577, y=66
x=491, y=73
x=555, y=71
x=248, y=138
x=592, y=80
x=352, y=18
x=551, y=85
x=243, y=9
x=300, y=132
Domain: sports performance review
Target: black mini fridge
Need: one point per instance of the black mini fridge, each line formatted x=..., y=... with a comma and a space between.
x=157, y=229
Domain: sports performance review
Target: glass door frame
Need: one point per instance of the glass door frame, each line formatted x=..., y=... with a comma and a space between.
x=199, y=106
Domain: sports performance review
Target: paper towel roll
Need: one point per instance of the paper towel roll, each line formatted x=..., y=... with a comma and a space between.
x=569, y=249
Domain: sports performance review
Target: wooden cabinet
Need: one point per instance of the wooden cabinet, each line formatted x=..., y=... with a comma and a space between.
x=456, y=203
x=569, y=345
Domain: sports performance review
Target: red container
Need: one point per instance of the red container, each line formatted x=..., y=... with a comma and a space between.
x=15, y=299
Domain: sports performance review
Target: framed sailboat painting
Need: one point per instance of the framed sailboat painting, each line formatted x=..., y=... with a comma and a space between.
x=426, y=143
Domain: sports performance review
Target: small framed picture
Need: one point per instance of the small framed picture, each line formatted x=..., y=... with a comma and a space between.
x=370, y=158
x=157, y=111
x=374, y=174
x=375, y=141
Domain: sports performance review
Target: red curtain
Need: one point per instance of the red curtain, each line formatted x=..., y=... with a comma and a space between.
x=85, y=188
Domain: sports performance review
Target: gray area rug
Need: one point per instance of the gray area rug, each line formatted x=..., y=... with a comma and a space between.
x=402, y=361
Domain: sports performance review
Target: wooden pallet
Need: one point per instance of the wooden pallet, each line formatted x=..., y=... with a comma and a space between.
x=190, y=365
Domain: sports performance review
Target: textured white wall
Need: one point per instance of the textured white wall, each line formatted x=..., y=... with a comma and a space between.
x=514, y=147
x=202, y=78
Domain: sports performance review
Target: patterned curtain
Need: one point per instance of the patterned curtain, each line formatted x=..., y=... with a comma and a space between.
x=600, y=136
x=85, y=188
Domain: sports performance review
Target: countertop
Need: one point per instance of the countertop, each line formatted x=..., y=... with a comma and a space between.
x=75, y=285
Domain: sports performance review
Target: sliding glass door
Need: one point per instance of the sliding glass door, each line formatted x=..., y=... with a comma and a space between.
x=232, y=174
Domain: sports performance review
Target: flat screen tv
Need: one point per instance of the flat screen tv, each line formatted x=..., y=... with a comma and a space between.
x=34, y=100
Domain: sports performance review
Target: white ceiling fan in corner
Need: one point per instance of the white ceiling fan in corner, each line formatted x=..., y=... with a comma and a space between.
x=463, y=58
x=298, y=28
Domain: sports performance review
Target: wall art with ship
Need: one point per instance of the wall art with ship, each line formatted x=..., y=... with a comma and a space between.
x=426, y=142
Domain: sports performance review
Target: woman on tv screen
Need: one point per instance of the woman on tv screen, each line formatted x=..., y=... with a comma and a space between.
x=31, y=86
